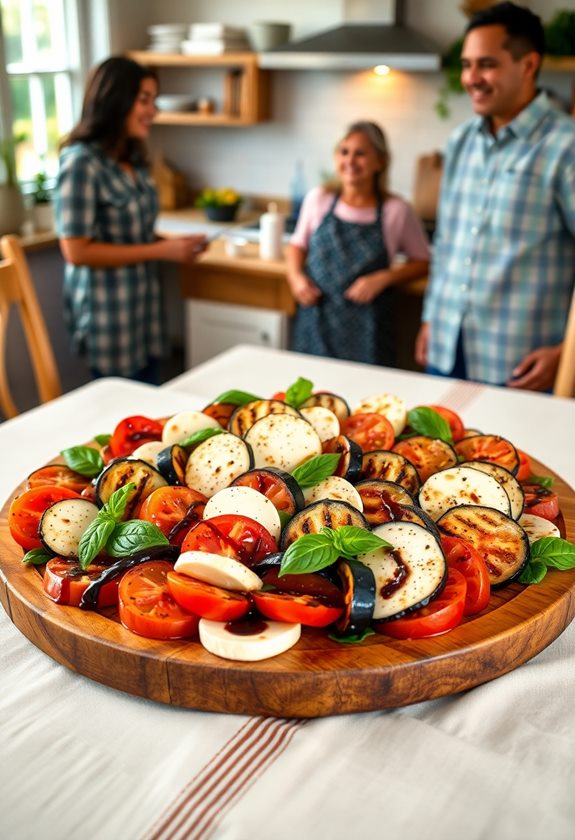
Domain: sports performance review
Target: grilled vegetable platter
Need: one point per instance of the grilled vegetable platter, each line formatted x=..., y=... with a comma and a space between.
x=328, y=557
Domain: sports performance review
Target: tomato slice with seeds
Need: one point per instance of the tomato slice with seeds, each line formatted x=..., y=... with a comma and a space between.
x=146, y=606
x=310, y=610
x=60, y=475
x=174, y=510
x=439, y=616
x=464, y=557
x=491, y=448
x=231, y=535
x=371, y=431
x=427, y=454
x=65, y=581
x=205, y=599
x=132, y=432
x=540, y=501
x=278, y=486
x=524, y=472
x=26, y=512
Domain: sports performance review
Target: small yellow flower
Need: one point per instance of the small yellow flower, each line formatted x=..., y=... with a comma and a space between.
x=224, y=196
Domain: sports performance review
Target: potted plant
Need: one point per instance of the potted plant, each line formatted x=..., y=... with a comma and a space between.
x=220, y=205
x=42, y=209
x=12, y=209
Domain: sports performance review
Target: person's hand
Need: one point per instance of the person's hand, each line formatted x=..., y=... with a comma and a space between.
x=184, y=249
x=365, y=289
x=422, y=345
x=304, y=290
x=536, y=372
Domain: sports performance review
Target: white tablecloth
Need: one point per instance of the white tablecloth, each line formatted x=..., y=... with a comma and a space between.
x=78, y=759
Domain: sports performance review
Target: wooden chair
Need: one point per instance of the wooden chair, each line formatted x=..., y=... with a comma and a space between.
x=17, y=292
x=565, y=379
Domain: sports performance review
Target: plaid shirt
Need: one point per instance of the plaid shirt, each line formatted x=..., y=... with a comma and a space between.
x=503, y=268
x=115, y=315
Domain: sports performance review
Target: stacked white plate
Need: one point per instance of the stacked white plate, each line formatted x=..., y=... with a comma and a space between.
x=167, y=37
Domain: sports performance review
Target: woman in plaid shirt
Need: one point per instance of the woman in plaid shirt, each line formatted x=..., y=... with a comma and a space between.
x=106, y=206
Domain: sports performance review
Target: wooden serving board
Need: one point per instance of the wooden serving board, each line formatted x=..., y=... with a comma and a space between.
x=316, y=677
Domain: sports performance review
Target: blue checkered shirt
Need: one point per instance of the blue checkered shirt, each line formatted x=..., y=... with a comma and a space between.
x=503, y=268
x=115, y=315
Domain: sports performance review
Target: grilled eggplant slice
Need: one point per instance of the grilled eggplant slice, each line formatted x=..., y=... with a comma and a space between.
x=124, y=471
x=502, y=543
x=349, y=465
x=323, y=420
x=322, y=514
x=63, y=523
x=408, y=575
x=493, y=448
x=246, y=415
x=390, y=466
x=459, y=486
x=215, y=462
x=334, y=402
x=333, y=487
x=279, y=486
x=171, y=462
x=507, y=480
x=358, y=584
x=380, y=498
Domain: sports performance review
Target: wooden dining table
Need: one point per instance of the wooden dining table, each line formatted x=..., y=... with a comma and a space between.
x=79, y=758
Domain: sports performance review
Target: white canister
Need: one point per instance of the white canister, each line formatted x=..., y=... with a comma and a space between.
x=272, y=226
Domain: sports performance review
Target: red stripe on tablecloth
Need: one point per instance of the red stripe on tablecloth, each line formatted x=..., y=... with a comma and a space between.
x=199, y=807
x=460, y=395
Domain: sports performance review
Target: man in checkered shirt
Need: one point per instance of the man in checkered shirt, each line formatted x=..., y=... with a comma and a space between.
x=503, y=268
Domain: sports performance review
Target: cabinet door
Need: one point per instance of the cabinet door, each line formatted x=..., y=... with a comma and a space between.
x=212, y=328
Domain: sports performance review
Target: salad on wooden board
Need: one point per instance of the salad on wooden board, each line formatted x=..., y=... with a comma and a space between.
x=245, y=522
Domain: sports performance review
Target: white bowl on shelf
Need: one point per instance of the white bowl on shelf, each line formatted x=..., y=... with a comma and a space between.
x=175, y=102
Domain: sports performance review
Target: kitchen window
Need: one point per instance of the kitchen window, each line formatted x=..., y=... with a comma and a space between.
x=40, y=75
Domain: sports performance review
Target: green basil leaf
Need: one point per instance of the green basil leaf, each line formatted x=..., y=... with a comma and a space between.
x=534, y=572
x=102, y=440
x=316, y=469
x=352, y=638
x=554, y=552
x=37, y=557
x=310, y=553
x=236, y=397
x=134, y=535
x=115, y=507
x=349, y=540
x=200, y=436
x=84, y=460
x=95, y=537
x=542, y=480
x=426, y=421
x=298, y=393
x=284, y=518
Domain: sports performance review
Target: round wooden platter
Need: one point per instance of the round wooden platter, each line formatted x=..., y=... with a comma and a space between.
x=316, y=677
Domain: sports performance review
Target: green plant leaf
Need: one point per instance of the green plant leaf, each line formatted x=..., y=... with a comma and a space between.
x=426, y=421
x=351, y=541
x=554, y=552
x=84, y=460
x=316, y=469
x=542, y=480
x=200, y=436
x=95, y=537
x=309, y=553
x=37, y=557
x=534, y=572
x=352, y=638
x=134, y=535
x=116, y=505
x=103, y=440
x=236, y=397
x=298, y=392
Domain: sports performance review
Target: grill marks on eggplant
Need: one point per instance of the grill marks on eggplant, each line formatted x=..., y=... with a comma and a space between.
x=351, y=455
x=461, y=485
x=390, y=466
x=333, y=402
x=246, y=415
x=124, y=471
x=323, y=514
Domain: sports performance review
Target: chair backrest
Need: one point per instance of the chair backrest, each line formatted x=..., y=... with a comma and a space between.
x=426, y=185
x=17, y=293
x=565, y=379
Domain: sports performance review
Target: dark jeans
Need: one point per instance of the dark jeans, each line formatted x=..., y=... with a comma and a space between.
x=150, y=374
x=459, y=369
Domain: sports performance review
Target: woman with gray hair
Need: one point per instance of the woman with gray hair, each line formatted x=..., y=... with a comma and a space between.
x=341, y=256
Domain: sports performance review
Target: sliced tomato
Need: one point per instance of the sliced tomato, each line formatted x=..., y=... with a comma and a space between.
x=427, y=454
x=278, y=486
x=60, y=475
x=174, y=510
x=310, y=583
x=220, y=412
x=206, y=600
x=455, y=422
x=26, y=512
x=439, y=616
x=464, y=557
x=132, y=432
x=296, y=609
x=371, y=431
x=65, y=581
x=146, y=606
x=524, y=472
x=231, y=535
x=491, y=448
x=279, y=395
x=540, y=501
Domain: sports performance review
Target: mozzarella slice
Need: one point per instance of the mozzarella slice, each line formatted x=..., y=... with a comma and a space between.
x=247, y=502
x=272, y=639
x=390, y=405
x=455, y=486
x=536, y=527
x=214, y=464
x=333, y=487
x=323, y=420
x=218, y=570
x=186, y=423
x=148, y=452
x=283, y=441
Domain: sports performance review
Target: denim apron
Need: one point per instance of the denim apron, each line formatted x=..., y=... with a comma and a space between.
x=339, y=252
